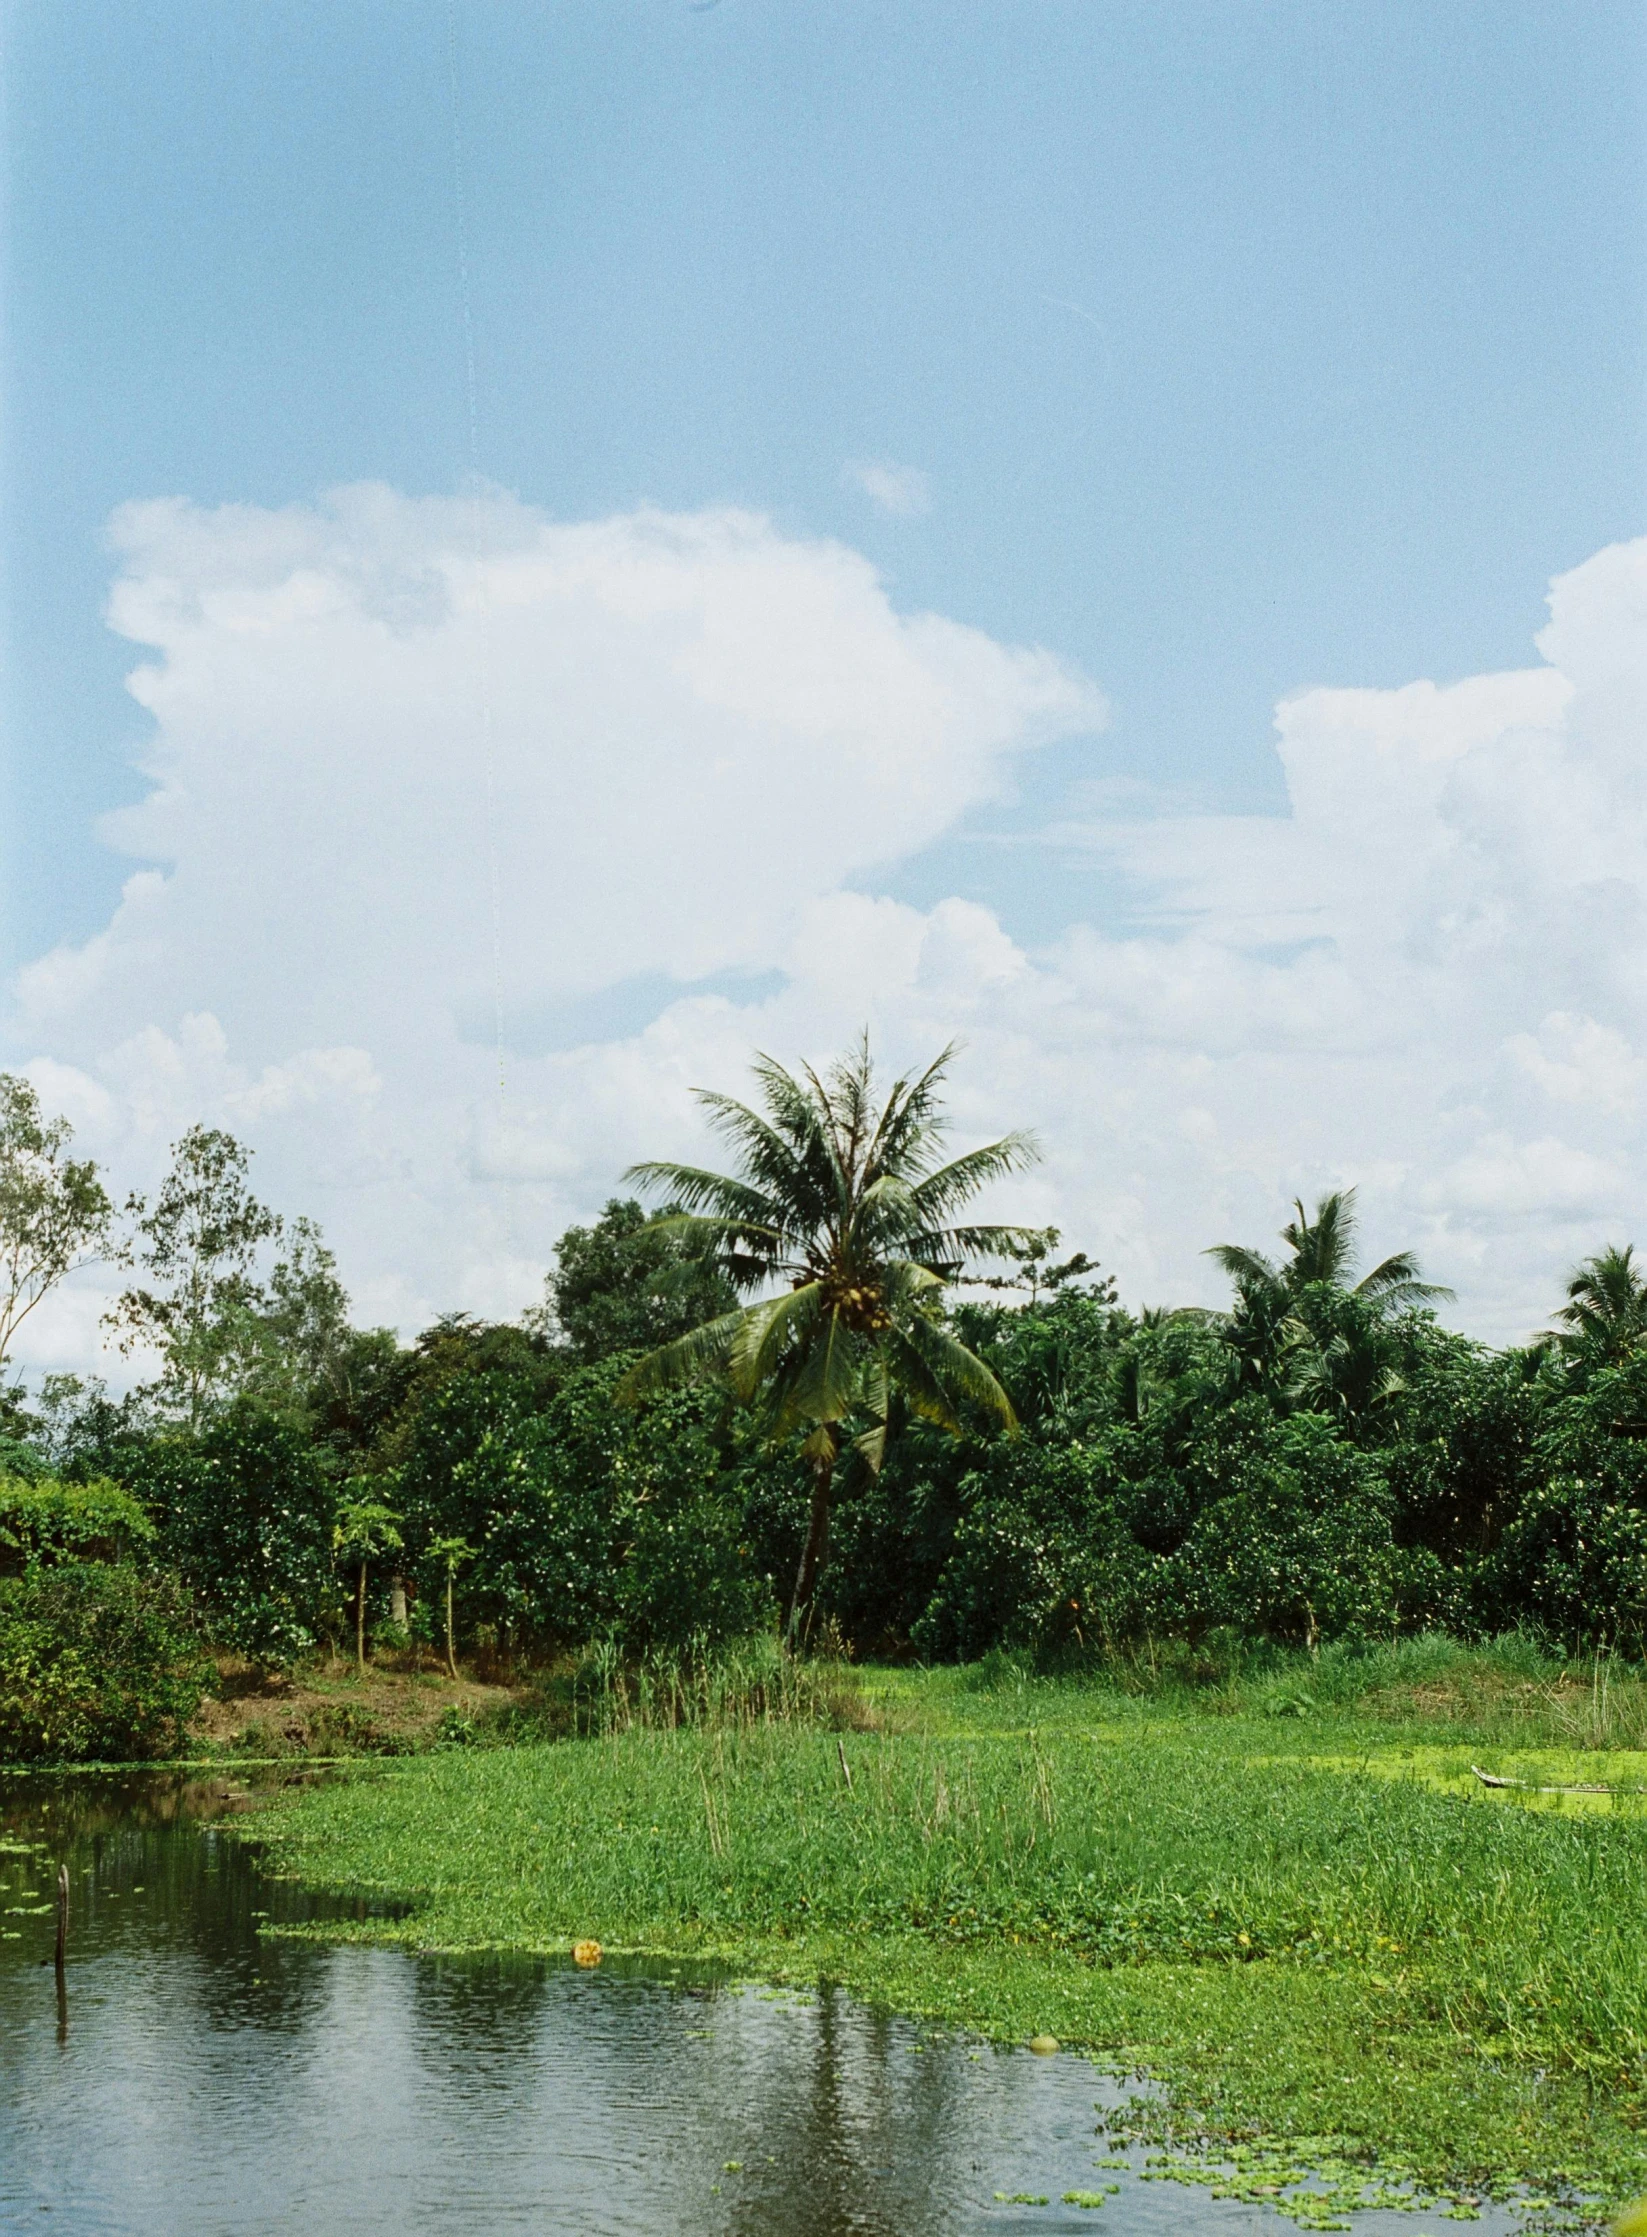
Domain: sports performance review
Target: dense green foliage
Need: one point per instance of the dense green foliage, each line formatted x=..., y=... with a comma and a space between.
x=1334, y=1470
x=946, y=1472
x=99, y=1661
x=1246, y=1902
x=245, y=1512
x=43, y=1521
x=629, y=1284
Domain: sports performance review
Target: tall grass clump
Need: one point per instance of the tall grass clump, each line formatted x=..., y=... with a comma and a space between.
x=739, y=1686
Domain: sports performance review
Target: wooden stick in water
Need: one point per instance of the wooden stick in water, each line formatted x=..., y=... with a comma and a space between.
x=62, y=1917
x=1526, y=1787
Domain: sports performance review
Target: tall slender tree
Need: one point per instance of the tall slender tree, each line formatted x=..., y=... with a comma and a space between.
x=197, y=1247
x=54, y=1211
x=843, y=1213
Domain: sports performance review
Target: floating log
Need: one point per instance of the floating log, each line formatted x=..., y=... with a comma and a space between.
x=1525, y=1786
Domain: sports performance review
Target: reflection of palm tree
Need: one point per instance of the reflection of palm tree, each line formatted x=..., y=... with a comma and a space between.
x=850, y=1210
x=1605, y=1317
x=856, y=2133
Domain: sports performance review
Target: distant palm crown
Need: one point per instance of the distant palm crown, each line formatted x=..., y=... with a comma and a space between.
x=852, y=1211
x=1282, y=1329
x=1605, y=1316
x=1323, y=1250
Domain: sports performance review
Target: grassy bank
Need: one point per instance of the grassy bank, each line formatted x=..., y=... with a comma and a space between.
x=1299, y=1910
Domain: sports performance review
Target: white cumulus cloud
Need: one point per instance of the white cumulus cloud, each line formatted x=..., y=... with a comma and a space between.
x=413, y=759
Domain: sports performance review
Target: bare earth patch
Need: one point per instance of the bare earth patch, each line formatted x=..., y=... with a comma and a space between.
x=331, y=1709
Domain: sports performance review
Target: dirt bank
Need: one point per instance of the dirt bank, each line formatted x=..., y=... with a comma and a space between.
x=332, y=1709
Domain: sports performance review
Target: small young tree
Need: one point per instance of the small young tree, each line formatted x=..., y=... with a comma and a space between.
x=366, y=1530
x=197, y=1245
x=54, y=1211
x=451, y=1553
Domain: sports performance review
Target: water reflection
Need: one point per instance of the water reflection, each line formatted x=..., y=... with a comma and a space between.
x=206, y=2082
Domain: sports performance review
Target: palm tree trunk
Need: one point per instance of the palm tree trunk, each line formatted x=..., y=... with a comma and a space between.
x=812, y=1552
x=451, y=1653
x=360, y=1620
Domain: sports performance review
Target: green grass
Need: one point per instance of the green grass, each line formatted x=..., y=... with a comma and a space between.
x=1282, y=1914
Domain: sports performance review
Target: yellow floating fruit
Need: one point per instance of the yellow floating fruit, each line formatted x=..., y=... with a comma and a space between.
x=1043, y=2045
x=1633, y=2221
x=585, y=1953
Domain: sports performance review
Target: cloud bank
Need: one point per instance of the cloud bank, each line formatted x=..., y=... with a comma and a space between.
x=416, y=763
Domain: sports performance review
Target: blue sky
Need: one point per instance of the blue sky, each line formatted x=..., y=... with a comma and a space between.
x=1243, y=346
x=974, y=500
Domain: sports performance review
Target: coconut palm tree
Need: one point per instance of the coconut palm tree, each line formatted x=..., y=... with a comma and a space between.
x=1323, y=1250
x=1317, y=1349
x=1605, y=1317
x=844, y=1216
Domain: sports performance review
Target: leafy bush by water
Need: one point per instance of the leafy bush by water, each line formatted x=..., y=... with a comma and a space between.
x=98, y=1662
x=245, y=1516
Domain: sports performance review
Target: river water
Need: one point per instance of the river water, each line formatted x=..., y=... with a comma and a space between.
x=198, y=2079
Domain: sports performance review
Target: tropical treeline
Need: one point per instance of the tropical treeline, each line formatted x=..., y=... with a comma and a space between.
x=809, y=1391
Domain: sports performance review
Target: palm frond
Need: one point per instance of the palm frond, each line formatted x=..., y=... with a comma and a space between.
x=746, y=1255
x=910, y=1127
x=1323, y=1247
x=767, y=1329
x=908, y=1285
x=956, y=1183
x=1243, y=1265
x=921, y=1389
x=712, y=1229
x=695, y=1357
x=825, y=1379
x=712, y=1195
x=1396, y=1280
x=871, y=1446
x=959, y=1372
x=786, y=1159
x=953, y=1246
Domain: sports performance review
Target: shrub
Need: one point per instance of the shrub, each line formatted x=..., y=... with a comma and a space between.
x=20, y=1461
x=587, y=1518
x=245, y=1517
x=688, y=1578
x=1573, y=1560
x=45, y=1521
x=1302, y=1547
x=97, y=1662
